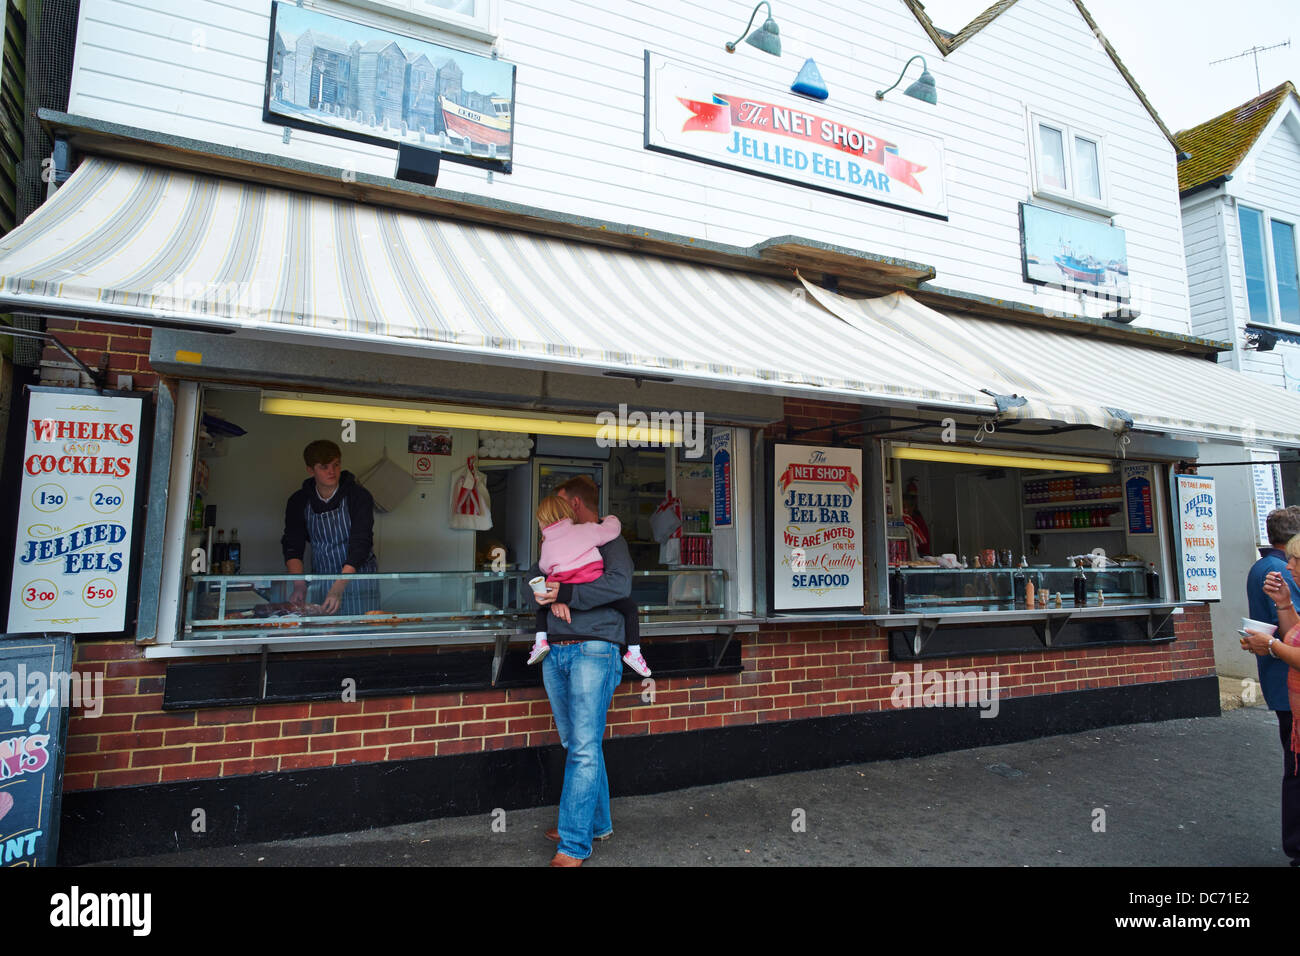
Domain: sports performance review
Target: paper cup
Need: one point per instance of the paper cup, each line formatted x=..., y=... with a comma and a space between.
x=1250, y=624
x=538, y=584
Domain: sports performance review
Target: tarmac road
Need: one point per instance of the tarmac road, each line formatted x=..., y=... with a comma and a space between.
x=1182, y=793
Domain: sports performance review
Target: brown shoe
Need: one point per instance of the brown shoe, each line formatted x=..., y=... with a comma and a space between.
x=553, y=834
x=561, y=859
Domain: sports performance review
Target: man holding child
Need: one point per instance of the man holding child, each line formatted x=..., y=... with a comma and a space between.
x=581, y=672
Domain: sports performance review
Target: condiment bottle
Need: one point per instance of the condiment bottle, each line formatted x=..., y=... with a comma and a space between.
x=1080, y=587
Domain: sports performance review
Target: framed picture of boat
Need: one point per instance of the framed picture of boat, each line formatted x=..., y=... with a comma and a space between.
x=1079, y=255
x=341, y=78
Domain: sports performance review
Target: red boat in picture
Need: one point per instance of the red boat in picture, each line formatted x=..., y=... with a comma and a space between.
x=1082, y=270
x=476, y=126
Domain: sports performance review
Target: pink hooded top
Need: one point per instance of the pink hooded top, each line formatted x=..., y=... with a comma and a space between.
x=569, y=552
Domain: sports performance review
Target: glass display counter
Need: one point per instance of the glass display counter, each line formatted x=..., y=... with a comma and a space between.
x=913, y=589
x=265, y=607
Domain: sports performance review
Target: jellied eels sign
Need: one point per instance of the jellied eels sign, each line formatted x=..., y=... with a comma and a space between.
x=817, y=526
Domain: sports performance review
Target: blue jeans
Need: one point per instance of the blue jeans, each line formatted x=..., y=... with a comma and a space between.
x=580, y=681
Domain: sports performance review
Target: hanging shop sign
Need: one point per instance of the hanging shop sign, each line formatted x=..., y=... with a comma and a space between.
x=1198, y=538
x=341, y=78
x=38, y=688
x=1266, y=488
x=720, y=445
x=734, y=122
x=1139, y=508
x=72, y=551
x=817, y=525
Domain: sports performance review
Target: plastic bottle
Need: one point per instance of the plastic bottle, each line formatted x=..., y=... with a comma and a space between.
x=233, y=549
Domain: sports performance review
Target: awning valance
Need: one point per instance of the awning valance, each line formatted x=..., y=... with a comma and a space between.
x=154, y=245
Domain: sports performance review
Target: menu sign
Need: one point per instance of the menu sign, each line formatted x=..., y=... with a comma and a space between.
x=1266, y=486
x=1138, y=506
x=721, y=449
x=817, y=524
x=1198, y=536
x=36, y=692
x=75, y=514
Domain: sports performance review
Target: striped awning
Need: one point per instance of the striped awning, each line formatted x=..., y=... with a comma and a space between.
x=153, y=245
x=1047, y=375
x=143, y=243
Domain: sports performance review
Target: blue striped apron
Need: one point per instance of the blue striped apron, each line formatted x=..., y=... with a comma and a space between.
x=328, y=532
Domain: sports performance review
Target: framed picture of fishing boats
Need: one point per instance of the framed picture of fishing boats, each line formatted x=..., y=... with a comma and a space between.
x=1067, y=252
x=341, y=78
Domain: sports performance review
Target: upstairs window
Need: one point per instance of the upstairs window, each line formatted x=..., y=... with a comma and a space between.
x=1270, y=266
x=473, y=18
x=1069, y=163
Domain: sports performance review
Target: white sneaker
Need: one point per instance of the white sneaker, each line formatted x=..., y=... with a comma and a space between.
x=540, y=650
x=637, y=663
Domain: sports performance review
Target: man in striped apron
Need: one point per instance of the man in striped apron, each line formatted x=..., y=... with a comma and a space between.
x=337, y=516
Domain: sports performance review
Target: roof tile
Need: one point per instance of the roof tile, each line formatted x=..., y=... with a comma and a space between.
x=1219, y=145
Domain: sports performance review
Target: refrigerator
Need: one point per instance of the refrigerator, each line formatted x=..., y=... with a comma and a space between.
x=550, y=473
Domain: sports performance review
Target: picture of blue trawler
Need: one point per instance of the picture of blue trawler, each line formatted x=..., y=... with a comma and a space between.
x=1073, y=253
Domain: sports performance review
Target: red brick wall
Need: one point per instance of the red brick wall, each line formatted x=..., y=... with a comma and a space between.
x=127, y=348
x=790, y=673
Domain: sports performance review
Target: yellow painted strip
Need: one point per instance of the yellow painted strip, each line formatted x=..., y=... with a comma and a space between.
x=189, y=358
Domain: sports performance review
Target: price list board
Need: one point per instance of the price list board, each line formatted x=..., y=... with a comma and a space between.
x=72, y=553
x=1198, y=538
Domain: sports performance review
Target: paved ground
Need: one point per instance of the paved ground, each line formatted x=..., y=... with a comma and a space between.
x=1200, y=792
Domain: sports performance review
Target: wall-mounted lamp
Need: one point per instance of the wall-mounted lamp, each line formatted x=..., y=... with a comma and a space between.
x=923, y=89
x=809, y=82
x=1257, y=340
x=767, y=37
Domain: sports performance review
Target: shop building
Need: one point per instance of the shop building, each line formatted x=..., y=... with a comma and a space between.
x=907, y=359
x=1241, y=211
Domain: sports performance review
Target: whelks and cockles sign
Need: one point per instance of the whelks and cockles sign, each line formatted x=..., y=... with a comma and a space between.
x=75, y=515
x=730, y=122
x=1198, y=527
x=817, y=524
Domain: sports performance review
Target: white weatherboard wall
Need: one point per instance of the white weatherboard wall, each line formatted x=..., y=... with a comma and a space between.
x=196, y=69
x=1268, y=179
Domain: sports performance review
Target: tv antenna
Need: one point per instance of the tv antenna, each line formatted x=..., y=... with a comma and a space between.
x=1254, y=51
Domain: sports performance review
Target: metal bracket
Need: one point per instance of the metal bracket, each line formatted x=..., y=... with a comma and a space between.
x=98, y=379
x=720, y=644
x=1156, y=619
x=266, y=651
x=498, y=655
x=925, y=629
x=287, y=131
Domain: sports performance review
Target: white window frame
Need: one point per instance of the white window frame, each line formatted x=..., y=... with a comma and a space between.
x=1070, y=195
x=482, y=26
x=1275, y=288
x=1270, y=261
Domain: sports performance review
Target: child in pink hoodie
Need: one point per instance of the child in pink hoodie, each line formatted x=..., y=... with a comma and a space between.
x=570, y=556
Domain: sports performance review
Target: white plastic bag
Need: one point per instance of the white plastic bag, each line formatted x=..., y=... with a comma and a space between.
x=471, y=508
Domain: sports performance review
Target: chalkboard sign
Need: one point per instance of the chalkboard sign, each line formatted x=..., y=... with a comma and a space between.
x=37, y=691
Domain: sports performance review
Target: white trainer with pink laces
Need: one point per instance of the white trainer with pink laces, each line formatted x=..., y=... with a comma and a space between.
x=637, y=663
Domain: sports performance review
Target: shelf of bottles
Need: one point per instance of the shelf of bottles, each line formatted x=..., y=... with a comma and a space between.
x=1074, y=503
